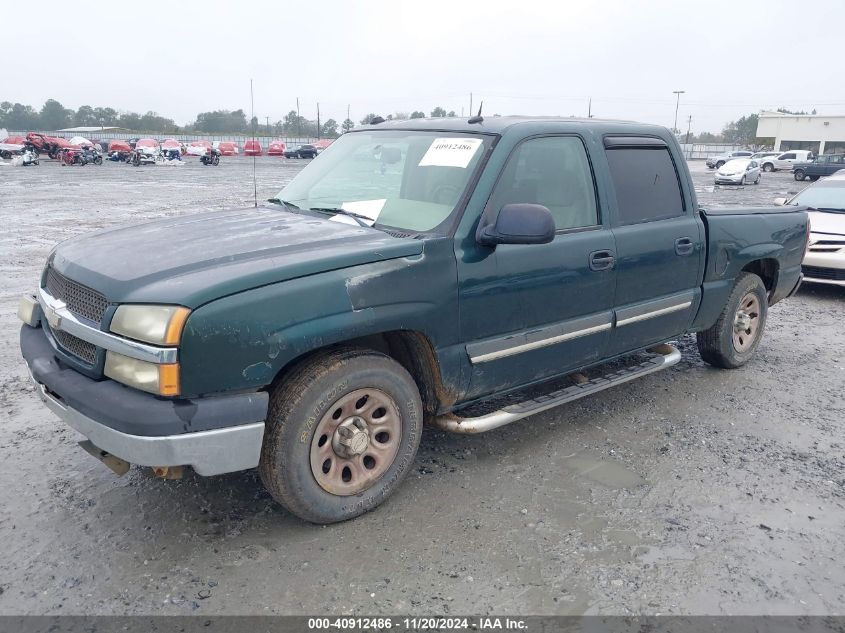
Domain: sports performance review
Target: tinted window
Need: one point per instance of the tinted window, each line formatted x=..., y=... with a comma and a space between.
x=646, y=184
x=554, y=172
x=786, y=156
x=821, y=159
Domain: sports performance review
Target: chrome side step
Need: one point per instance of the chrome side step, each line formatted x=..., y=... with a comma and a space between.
x=662, y=356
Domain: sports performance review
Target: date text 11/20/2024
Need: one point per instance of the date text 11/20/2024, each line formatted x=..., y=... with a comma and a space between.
x=418, y=623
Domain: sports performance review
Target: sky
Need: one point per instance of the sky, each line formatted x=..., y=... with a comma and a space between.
x=178, y=58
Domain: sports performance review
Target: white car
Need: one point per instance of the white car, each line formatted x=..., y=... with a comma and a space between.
x=785, y=160
x=824, y=261
x=759, y=156
x=739, y=171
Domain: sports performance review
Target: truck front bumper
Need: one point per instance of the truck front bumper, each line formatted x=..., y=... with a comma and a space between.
x=213, y=435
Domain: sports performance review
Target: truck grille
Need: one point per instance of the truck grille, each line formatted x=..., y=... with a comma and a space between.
x=79, y=299
x=831, y=274
x=76, y=346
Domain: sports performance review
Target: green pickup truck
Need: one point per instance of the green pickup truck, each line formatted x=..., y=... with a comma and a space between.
x=461, y=273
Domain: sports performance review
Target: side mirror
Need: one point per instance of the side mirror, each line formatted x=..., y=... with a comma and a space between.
x=780, y=202
x=519, y=224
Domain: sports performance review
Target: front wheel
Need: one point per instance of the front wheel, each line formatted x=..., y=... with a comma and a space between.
x=799, y=175
x=742, y=181
x=342, y=433
x=757, y=181
x=719, y=164
x=733, y=339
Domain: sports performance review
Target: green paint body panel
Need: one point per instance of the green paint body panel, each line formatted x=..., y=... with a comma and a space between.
x=267, y=286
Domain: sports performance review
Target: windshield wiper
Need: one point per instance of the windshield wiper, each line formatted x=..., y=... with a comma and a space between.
x=288, y=205
x=359, y=218
x=829, y=210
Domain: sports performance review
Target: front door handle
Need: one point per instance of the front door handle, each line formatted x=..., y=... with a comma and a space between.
x=684, y=246
x=602, y=260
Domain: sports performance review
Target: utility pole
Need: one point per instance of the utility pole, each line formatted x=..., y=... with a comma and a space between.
x=298, y=120
x=347, y=113
x=590, y=108
x=318, y=120
x=678, y=93
x=689, y=125
x=269, y=133
x=470, y=104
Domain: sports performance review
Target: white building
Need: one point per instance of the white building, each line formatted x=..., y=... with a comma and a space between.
x=822, y=134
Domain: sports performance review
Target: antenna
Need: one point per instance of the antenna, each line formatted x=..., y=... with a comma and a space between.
x=477, y=118
x=254, y=182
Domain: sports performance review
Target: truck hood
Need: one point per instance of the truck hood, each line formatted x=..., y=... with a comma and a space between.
x=828, y=223
x=193, y=259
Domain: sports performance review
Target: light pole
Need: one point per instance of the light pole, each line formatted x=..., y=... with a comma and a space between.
x=677, y=103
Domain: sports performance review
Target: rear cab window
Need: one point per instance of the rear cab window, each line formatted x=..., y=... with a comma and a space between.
x=645, y=179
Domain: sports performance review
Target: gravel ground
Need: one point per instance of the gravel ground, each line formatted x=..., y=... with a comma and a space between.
x=689, y=491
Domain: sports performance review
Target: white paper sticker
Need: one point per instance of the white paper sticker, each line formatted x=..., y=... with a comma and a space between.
x=369, y=209
x=450, y=152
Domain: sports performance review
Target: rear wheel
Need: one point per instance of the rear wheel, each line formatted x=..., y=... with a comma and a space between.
x=768, y=167
x=342, y=432
x=799, y=175
x=734, y=338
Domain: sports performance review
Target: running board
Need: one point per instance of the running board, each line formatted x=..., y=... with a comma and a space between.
x=662, y=356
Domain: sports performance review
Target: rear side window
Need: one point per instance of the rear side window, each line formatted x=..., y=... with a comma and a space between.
x=646, y=183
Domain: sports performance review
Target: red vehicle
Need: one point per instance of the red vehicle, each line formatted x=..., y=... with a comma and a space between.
x=227, y=148
x=119, y=150
x=276, y=148
x=150, y=143
x=71, y=156
x=41, y=144
x=252, y=148
x=198, y=148
x=171, y=143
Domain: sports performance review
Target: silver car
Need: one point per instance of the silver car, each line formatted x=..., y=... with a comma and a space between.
x=738, y=172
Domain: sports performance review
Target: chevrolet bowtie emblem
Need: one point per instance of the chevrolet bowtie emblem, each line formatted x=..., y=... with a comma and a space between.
x=53, y=316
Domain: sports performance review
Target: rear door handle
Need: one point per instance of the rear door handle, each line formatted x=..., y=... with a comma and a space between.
x=684, y=246
x=602, y=260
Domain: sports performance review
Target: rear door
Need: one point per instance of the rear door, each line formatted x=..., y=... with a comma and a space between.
x=785, y=161
x=659, y=244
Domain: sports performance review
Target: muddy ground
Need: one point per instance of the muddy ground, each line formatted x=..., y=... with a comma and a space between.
x=689, y=491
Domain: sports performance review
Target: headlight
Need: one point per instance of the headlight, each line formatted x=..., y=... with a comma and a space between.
x=161, y=325
x=162, y=380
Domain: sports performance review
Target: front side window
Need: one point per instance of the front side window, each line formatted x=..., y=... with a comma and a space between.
x=554, y=172
x=646, y=183
x=821, y=159
x=787, y=157
x=406, y=179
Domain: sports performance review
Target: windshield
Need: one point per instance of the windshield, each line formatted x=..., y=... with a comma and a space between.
x=824, y=196
x=406, y=179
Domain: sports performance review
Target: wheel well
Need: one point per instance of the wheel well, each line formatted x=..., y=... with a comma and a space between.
x=410, y=349
x=765, y=269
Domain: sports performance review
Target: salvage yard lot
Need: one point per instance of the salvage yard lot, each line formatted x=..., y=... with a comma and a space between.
x=689, y=491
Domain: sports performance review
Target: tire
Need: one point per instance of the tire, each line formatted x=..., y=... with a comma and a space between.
x=799, y=175
x=719, y=164
x=757, y=182
x=814, y=178
x=742, y=181
x=98, y=160
x=215, y=161
x=322, y=394
x=717, y=345
x=768, y=167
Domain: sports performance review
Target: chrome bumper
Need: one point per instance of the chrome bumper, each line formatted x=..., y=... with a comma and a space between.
x=207, y=452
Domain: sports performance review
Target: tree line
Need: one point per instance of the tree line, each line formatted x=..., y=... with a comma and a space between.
x=54, y=116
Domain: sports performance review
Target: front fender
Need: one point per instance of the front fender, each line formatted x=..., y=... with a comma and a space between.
x=243, y=341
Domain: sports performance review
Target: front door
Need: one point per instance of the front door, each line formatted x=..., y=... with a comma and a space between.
x=659, y=243
x=529, y=312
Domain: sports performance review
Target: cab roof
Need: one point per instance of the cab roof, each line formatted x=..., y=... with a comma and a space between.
x=500, y=124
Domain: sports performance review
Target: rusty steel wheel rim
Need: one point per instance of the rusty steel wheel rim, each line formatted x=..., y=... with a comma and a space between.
x=355, y=442
x=746, y=322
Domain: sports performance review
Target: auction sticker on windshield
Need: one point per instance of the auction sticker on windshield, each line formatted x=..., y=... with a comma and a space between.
x=450, y=152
